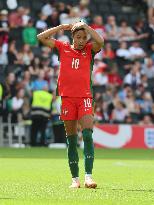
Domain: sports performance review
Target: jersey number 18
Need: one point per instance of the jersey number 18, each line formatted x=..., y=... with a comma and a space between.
x=75, y=63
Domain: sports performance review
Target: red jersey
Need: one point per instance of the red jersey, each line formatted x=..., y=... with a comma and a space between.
x=74, y=78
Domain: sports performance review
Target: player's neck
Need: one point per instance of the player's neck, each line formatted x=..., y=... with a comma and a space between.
x=75, y=48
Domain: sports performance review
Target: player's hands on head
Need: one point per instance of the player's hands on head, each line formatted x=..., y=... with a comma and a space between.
x=78, y=25
x=67, y=26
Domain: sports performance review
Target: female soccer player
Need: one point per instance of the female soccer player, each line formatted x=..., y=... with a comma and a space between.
x=75, y=89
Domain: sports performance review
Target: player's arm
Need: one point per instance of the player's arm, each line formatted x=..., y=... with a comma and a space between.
x=98, y=41
x=46, y=36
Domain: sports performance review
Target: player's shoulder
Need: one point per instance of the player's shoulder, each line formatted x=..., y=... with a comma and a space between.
x=88, y=46
x=61, y=43
x=66, y=44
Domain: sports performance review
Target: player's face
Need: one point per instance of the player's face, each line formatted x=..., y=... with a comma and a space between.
x=80, y=39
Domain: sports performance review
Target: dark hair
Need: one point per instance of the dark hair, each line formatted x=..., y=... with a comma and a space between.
x=77, y=29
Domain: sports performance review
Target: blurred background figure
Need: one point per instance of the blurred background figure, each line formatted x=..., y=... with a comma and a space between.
x=40, y=114
x=123, y=72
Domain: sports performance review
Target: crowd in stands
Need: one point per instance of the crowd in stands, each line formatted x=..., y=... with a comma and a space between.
x=123, y=74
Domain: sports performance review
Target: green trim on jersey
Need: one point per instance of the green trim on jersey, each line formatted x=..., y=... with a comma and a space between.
x=57, y=91
x=91, y=69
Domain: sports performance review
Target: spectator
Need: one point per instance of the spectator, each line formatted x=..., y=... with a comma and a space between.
x=98, y=116
x=46, y=52
x=18, y=101
x=15, y=18
x=145, y=103
x=147, y=120
x=72, y=17
x=83, y=10
x=144, y=81
x=39, y=83
x=4, y=29
x=3, y=58
x=98, y=66
x=62, y=37
x=140, y=30
x=11, y=85
x=12, y=53
x=26, y=16
x=148, y=68
x=126, y=33
x=122, y=94
x=123, y=51
x=34, y=68
x=130, y=102
x=134, y=77
x=105, y=112
x=119, y=113
x=52, y=81
x=111, y=28
x=150, y=9
x=25, y=83
x=27, y=54
x=63, y=8
x=40, y=113
x=152, y=52
x=129, y=120
x=47, y=9
x=12, y=4
x=151, y=31
x=108, y=52
x=30, y=34
x=101, y=77
x=53, y=19
x=41, y=22
x=99, y=73
x=139, y=91
x=113, y=77
x=108, y=95
x=136, y=52
x=55, y=61
x=98, y=26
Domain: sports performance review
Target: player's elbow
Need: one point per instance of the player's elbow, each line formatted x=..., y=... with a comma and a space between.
x=39, y=37
x=101, y=43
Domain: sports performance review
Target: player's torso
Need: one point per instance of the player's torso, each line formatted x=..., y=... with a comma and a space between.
x=75, y=71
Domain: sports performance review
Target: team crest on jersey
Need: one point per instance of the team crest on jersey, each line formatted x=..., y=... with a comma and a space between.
x=84, y=53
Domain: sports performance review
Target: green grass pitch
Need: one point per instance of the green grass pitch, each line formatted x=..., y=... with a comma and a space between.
x=41, y=176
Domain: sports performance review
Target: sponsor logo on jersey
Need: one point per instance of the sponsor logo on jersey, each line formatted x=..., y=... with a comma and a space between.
x=66, y=51
x=84, y=53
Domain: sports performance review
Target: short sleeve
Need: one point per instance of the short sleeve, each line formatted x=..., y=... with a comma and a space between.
x=89, y=46
x=58, y=44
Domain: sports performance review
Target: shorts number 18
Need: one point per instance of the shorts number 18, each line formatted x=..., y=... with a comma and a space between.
x=87, y=102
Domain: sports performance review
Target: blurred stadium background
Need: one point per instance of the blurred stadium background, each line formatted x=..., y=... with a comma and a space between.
x=123, y=76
